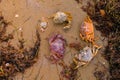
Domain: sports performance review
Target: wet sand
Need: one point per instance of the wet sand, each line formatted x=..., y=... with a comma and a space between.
x=30, y=11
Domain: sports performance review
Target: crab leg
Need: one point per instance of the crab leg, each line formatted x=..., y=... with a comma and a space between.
x=96, y=51
x=79, y=63
x=82, y=37
x=76, y=63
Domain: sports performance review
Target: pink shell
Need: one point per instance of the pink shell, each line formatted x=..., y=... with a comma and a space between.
x=57, y=46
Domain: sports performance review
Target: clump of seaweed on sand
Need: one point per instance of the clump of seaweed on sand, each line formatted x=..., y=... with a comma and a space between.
x=3, y=36
x=68, y=71
x=12, y=59
x=104, y=13
x=106, y=17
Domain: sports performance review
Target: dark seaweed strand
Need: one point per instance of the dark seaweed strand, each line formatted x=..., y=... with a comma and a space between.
x=17, y=60
x=109, y=25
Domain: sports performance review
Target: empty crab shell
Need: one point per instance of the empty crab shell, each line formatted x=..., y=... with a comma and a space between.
x=57, y=46
x=86, y=54
x=60, y=17
x=43, y=24
x=87, y=30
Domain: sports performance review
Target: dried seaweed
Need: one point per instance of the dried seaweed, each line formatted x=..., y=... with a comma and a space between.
x=13, y=59
x=100, y=75
x=106, y=17
x=104, y=23
x=76, y=46
x=68, y=71
x=3, y=36
x=79, y=1
x=112, y=54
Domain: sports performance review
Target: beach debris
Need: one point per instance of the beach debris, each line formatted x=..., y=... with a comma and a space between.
x=3, y=25
x=87, y=31
x=43, y=24
x=76, y=46
x=105, y=15
x=102, y=12
x=112, y=54
x=68, y=71
x=79, y=1
x=112, y=9
x=15, y=59
x=109, y=26
x=100, y=75
x=57, y=47
x=63, y=18
x=85, y=56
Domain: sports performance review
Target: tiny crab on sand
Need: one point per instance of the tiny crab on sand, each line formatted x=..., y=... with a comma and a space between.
x=87, y=31
x=85, y=56
x=57, y=47
x=62, y=18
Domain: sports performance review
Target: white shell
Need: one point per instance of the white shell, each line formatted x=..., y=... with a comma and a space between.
x=86, y=54
x=60, y=17
x=43, y=25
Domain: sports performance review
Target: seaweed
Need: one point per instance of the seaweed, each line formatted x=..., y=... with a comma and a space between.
x=112, y=54
x=76, y=46
x=79, y=1
x=12, y=59
x=102, y=15
x=3, y=36
x=68, y=71
x=106, y=17
x=99, y=75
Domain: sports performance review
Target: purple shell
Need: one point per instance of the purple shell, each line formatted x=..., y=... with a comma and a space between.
x=57, y=45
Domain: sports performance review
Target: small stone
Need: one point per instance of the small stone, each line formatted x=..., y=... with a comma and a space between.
x=16, y=15
x=20, y=29
x=43, y=24
x=7, y=64
x=104, y=63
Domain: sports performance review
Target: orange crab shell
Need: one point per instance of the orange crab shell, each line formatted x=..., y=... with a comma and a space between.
x=87, y=30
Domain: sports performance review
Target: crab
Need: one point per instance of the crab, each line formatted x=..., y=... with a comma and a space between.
x=87, y=31
x=57, y=47
x=85, y=56
x=62, y=18
x=88, y=53
x=43, y=24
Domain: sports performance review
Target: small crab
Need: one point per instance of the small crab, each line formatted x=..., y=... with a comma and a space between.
x=62, y=18
x=87, y=31
x=43, y=24
x=57, y=47
x=85, y=56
